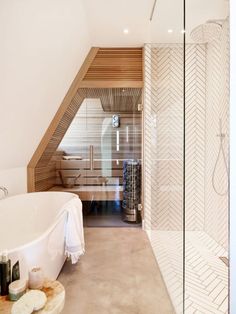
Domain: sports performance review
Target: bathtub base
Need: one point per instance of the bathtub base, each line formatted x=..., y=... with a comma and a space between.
x=38, y=236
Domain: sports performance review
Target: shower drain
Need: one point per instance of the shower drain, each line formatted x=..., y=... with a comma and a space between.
x=225, y=260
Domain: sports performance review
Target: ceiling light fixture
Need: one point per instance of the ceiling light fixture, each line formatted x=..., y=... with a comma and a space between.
x=126, y=31
x=170, y=30
x=183, y=31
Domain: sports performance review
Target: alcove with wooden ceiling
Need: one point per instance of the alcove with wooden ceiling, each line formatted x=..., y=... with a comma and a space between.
x=104, y=72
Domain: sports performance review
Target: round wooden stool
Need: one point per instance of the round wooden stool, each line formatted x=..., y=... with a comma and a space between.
x=55, y=293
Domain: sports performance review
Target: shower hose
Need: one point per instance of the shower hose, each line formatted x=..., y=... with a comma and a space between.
x=221, y=150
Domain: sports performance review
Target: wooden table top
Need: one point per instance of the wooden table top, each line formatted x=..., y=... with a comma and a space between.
x=55, y=293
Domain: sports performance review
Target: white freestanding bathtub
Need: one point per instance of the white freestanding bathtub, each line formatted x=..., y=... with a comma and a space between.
x=32, y=230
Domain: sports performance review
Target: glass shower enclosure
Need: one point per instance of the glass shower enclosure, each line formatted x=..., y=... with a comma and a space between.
x=186, y=136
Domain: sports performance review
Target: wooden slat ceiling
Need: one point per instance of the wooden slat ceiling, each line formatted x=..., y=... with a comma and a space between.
x=117, y=99
x=116, y=64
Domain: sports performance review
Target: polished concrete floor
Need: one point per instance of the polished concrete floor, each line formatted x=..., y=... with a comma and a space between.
x=117, y=275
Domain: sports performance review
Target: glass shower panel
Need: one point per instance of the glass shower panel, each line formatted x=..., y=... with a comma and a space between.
x=206, y=155
x=163, y=145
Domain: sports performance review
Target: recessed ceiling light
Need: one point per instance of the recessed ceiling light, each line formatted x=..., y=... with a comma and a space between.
x=126, y=31
x=183, y=31
x=170, y=30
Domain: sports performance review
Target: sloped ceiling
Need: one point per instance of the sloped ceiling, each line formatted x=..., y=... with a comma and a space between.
x=43, y=44
x=108, y=19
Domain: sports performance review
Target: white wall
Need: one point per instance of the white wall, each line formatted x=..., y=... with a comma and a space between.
x=43, y=44
x=233, y=158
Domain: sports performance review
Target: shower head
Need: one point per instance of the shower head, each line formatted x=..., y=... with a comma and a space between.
x=207, y=32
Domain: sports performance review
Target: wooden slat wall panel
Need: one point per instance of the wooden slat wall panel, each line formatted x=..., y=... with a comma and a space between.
x=85, y=164
x=116, y=64
x=45, y=177
x=111, y=84
x=61, y=128
x=92, y=173
x=93, y=181
x=45, y=171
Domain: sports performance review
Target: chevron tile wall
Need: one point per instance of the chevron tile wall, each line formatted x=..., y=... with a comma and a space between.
x=163, y=125
x=217, y=107
x=195, y=135
x=163, y=131
x=207, y=98
x=206, y=228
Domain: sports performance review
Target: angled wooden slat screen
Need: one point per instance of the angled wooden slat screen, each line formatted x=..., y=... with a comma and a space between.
x=103, y=67
x=61, y=128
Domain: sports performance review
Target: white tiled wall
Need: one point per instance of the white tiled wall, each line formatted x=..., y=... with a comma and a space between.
x=163, y=137
x=217, y=107
x=163, y=133
x=195, y=136
x=207, y=100
x=206, y=213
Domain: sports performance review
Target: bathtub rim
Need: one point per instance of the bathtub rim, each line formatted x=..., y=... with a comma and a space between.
x=60, y=215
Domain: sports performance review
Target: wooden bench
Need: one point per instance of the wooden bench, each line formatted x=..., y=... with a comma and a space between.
x=103, y=182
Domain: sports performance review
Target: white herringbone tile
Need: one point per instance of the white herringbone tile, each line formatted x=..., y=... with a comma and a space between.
x=217, y=107
x=163, y=133
x=207, y=100
x=163, y=125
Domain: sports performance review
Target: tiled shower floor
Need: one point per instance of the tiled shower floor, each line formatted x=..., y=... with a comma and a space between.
x=206, y=276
